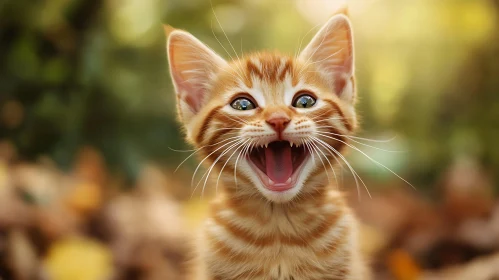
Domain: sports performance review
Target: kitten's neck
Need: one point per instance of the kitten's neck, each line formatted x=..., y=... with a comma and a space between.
x=256, y=205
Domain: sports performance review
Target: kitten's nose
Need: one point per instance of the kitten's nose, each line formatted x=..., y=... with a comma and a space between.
x=278, y=121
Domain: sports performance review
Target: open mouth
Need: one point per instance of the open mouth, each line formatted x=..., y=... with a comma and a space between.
x=278, y=164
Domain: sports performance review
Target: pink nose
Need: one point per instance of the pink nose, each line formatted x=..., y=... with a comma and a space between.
x=278, y=122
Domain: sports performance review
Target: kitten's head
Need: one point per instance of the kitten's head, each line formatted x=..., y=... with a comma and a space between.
x=270, y=122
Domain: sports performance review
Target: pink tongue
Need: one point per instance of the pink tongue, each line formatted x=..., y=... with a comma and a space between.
x=278, y=163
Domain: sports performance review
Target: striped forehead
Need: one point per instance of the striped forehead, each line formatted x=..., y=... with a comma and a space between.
x=269, y=68
x=270, y=75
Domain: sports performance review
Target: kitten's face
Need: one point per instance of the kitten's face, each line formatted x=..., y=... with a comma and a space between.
x=270, y=123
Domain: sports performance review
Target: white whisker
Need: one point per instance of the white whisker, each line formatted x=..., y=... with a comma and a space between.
x=243, y=152
x=199, y=149
x=181, y=151
x=227, y=128
x=238, y=120
x=225, y=34
x=352, y=170
x=301, y=41
x=218, y=40
x=207, y=173
x=357, y=137
x=315, y=148
x=199, y=165
x=318, y=116
x=332, y=168
x=227, y=161
x=323, y=133
x=336, y=118
x=373, y=160
x=310, y=56
x=333, y=54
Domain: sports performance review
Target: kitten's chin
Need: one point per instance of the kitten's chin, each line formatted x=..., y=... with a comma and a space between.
x=279, y=167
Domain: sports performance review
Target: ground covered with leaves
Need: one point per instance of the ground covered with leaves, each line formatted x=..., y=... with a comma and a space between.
x=87, y=224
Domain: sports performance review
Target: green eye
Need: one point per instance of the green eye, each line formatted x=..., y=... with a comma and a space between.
x=304, y=101
x=242, y=104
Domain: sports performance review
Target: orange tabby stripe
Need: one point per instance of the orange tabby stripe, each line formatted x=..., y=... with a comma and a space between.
x=206, y=122
x=288, y=66
x=252, y=70
x=244, y=235
x=345, y=122
x=226, y=251
x=243, y=212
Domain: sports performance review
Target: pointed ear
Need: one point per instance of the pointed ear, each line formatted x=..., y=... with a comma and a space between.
x=192, y=67
x=331, y=50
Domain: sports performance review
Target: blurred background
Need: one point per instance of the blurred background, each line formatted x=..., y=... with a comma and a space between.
x=89, y=141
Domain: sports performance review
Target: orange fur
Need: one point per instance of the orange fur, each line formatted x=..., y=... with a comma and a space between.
x=253, y=232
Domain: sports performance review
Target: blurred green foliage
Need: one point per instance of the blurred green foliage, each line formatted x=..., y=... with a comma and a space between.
x=92, y=72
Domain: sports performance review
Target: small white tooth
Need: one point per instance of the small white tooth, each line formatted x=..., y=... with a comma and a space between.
x=266, y=145
x=288, y=181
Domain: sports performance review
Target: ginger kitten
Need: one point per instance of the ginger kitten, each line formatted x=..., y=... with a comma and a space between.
x=272, y=126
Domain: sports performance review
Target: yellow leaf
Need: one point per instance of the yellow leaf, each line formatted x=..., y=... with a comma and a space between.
x=78, y=259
